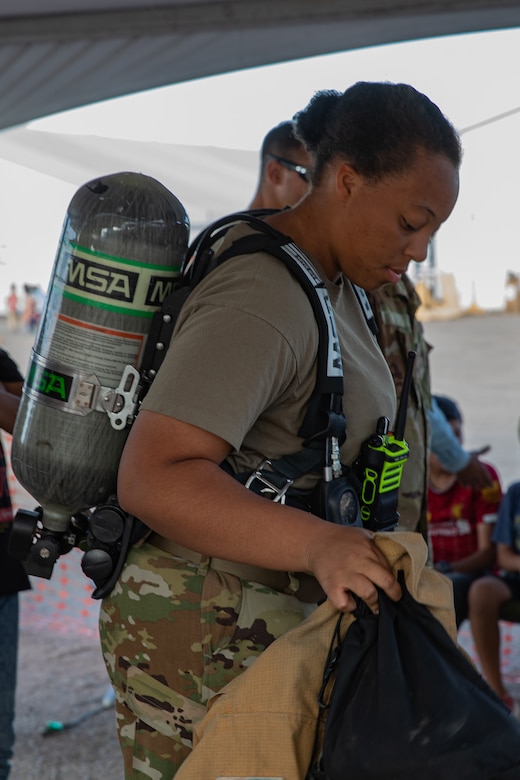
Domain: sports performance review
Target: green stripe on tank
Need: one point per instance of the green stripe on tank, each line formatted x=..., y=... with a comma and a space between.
x=97, y=304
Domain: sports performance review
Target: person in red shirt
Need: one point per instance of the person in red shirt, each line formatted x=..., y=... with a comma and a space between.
x=460, y=521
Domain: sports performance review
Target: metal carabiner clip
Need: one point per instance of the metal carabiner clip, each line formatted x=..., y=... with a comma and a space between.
x=278, y=493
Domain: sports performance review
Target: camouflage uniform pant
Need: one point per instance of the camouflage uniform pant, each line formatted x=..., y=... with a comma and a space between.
x=173, y=633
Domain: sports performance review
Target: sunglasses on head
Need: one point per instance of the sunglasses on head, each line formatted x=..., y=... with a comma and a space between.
x=301, y=170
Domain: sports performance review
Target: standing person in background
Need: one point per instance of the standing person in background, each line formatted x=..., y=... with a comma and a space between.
x=461, y=520
x=29, y=311
x=179, y=624
x=12, y=575
x=12, y=309
x=284, y=170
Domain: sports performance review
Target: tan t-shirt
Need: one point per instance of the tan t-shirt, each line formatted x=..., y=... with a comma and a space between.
x=242, y=362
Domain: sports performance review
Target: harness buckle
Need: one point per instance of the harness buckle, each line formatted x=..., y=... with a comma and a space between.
x=270, y=489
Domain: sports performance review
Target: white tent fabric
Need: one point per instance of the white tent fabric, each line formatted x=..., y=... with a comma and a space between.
x=60, y=54
x=209, y=181
x=41, y=171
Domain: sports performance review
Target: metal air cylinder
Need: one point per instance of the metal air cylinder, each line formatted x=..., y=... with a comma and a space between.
x=123, y=241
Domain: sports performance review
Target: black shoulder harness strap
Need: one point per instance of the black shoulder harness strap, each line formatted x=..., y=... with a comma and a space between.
x=324, y=417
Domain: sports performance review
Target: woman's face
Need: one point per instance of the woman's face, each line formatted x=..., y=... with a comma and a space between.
x=379, y=227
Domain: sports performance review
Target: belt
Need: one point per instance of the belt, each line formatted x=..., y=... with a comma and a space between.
x=303, y=586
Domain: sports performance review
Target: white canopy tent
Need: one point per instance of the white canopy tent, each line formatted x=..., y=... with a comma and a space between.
x=194, y=173
x=60, y=54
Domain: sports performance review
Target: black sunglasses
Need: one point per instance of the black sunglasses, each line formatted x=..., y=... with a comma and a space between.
x=301, y=170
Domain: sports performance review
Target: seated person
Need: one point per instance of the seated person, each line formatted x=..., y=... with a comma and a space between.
x=487, y=595
x=460, y=520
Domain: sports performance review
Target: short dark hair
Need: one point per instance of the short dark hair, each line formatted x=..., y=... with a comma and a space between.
x=377, y=126
x=280, y=140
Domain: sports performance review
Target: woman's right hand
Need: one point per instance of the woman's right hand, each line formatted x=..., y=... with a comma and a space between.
x=346, y=560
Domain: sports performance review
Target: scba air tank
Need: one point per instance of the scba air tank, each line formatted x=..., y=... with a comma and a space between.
x=123, y=241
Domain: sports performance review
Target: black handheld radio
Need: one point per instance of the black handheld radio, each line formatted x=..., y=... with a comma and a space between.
x=380, y=465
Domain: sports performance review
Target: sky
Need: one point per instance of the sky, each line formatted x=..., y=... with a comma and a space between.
x=472, y=78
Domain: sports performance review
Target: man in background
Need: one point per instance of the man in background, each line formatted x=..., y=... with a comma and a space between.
x=284, y=166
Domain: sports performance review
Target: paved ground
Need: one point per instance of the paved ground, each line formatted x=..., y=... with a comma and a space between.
x=62, y=679
x=476, y=361
x=61, y=673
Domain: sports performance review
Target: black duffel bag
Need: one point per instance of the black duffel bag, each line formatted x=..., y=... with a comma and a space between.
x=406, y=703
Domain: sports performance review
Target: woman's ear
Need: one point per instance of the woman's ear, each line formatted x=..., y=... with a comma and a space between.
x=346, y=181
x=274, y=172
